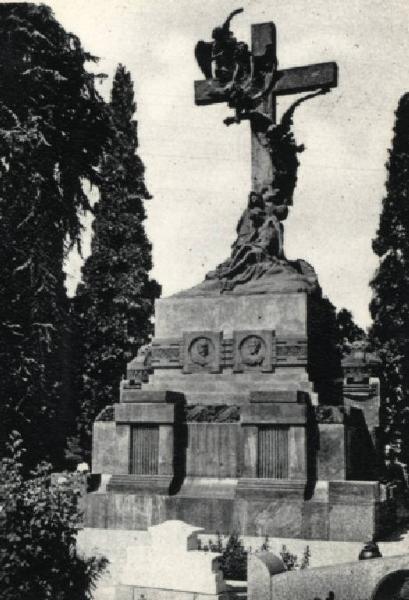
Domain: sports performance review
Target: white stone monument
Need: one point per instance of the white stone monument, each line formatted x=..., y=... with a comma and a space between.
x=170, y=561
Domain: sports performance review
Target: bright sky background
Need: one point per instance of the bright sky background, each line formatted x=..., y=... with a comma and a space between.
x=199, y=171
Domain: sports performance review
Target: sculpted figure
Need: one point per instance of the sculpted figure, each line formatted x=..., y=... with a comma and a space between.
x=224, y=51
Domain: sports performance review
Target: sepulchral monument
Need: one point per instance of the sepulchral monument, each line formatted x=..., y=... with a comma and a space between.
x=233, y=417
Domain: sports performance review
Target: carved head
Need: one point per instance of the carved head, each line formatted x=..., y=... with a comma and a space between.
x=202, y=348
x=255, y=200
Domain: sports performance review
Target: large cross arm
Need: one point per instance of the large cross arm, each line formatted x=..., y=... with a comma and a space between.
x=288, y=81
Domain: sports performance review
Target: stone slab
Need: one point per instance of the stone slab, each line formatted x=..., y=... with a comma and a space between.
x=347, y=520
x=104, y=447
x=277, y=396
x=331, y=454
x=283, y=414
x=353, y=492
x=284, y=313
x=144, y=413
x=251, y=512
x=146, y=396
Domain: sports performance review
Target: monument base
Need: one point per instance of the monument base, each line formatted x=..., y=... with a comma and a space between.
x=337, y=510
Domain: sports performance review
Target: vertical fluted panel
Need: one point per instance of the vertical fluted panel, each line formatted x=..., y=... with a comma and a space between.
x=145, y=450
x=273, y=452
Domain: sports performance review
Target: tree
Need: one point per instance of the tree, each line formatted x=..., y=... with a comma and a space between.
x=115, y=300
x=52, y=126
x=39, y=521
x=348, y=330
x=390, y=285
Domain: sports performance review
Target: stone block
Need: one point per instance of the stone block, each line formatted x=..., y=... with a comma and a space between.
x=213, y=449
x=352, y=521
x=277, y=396
x=280, y=414
x=331, y=455
x=279, y=517
x=250, y=450
x=104, y=447
x=284, y=313
x=165, y=451
x=297, y=453
x=149, y=396
x=354, y=492
x=315, y=521
x=123, y=448
x=144, y=413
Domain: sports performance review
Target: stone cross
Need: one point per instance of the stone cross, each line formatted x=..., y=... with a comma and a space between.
x=288, y=81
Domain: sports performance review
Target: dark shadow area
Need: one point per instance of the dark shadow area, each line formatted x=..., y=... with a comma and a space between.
x=179, y=447
x=362, y=459
x=313, y=446
x=394, y=585
x=324, y=356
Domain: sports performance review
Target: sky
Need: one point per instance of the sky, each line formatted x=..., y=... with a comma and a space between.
x=198, y=171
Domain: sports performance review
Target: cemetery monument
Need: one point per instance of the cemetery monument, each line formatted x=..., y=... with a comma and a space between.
x=233, y=418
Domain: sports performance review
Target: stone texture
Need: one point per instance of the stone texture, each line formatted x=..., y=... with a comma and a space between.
x=103, y=447
x=331, y=455
x=284, y=313
x=355, y=581
x=144, y=413
x=261, y=567
x=123, y=447
x=145, y=397
x=283, y=414
x=213, y=450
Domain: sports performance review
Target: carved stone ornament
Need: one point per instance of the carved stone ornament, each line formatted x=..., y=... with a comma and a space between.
x=253, y=350
x=202, y=351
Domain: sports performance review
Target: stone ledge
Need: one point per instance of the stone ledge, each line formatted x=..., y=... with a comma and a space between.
x=156, y=484
x=144, y=413
x=285, y=413
x=147, y=397
x=354, y=492
x=278, y=396
x=271, y=488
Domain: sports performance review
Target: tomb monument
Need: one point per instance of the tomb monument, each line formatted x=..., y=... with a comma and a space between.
x=233, y=417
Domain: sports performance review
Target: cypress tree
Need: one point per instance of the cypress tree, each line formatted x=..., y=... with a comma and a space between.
x=52, y=127
x=115, y=300
x=390, y=285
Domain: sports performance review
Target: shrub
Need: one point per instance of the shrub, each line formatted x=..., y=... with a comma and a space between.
x=233, y=561
x=38, y=526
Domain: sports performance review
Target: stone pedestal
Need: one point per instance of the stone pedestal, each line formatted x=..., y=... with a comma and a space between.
x=219, y=425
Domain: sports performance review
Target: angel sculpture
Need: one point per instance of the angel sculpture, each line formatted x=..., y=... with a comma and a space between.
x=247, y=79
x=222, y=51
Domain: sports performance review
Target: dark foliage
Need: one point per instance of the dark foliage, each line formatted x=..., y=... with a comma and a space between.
x=233, y=561
x=348, y=330
x=115, y=301
x=390, y=285
x=38, y=526
x=52, y=126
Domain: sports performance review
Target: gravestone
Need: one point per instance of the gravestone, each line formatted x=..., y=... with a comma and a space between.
x=230, y=418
